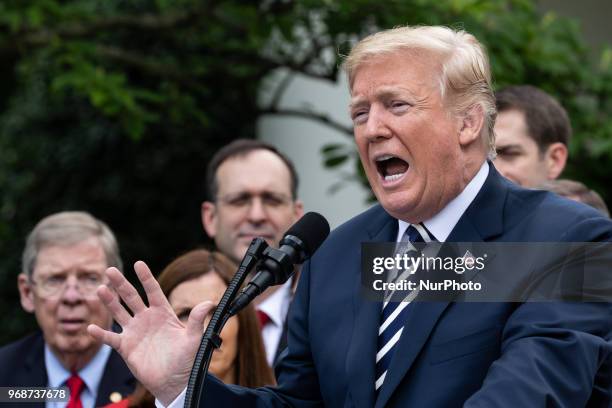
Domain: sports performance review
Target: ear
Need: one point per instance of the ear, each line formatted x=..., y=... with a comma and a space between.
x=208, y=213
x=471, y=126
x=555, y=158
x=298, y=209
x=25, y=293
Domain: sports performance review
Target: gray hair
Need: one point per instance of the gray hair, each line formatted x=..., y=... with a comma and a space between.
x=69, y=228
x=465, y=77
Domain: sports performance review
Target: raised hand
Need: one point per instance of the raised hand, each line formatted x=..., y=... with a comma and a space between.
x=157, y=347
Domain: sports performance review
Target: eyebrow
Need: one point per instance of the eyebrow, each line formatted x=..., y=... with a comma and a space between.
x=79, y=269
x=384, y=92
x=509, y=146
x=264, y=193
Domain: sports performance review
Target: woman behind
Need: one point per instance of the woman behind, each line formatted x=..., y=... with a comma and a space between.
x=193, y=278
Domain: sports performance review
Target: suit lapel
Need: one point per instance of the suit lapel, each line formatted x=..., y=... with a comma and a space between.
x=360, y=364
x=482, y=220
x=282, y=343
x=116, y=379
x=422, y=317
x=35, y=364
x=35, y=374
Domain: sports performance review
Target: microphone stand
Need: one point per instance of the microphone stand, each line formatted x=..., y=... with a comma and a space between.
x=211, y=339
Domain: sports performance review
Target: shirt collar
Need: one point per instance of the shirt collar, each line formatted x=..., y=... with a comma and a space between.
x=91, y=374
x=441, y=224
x=277, y=304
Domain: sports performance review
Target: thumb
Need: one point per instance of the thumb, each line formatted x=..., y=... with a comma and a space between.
x=195, y=323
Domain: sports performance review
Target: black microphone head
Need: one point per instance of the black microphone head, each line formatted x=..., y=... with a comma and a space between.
x=311, y=229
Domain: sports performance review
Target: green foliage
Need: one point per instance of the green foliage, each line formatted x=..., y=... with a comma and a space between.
x=115, y=108
x=525, y=47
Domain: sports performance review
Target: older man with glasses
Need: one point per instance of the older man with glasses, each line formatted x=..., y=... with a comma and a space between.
x=63, y=265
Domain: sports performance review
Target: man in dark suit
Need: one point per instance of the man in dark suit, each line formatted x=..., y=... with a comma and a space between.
x=63, y=265
x=423, y=111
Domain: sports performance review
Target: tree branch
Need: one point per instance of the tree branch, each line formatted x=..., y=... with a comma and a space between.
x=145, y=64
x=280, y=90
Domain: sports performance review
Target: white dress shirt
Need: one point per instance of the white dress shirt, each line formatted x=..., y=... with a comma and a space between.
x=91, y=375
x=440, y=226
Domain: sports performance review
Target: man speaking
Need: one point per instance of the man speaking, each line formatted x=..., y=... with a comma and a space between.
x=423, y=112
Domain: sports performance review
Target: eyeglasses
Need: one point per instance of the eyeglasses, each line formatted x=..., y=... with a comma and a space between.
x=54, y=285
x=243, y=201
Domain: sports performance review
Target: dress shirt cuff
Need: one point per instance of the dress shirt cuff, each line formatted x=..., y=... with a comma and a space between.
x=178, y=402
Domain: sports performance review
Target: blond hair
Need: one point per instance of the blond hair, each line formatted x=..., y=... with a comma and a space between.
x=465, y=77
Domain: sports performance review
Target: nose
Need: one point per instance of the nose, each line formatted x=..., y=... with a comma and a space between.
x=376, y=127
x=257, y=212
x=71, y=293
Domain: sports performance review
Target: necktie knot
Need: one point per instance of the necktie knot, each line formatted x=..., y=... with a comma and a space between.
x=75, y=385
x=264, y=318
x=417, y=233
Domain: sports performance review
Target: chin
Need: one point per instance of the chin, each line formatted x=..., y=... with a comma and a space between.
x=70, y=346
x=399, y=204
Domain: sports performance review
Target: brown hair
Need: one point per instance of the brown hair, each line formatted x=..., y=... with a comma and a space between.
x=251, y=366
x=241, y=148
x=546, y=120
x=575, y=190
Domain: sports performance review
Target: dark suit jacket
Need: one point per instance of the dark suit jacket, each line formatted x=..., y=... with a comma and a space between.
x=22, y=364
x=451, y=354
x=282, y=343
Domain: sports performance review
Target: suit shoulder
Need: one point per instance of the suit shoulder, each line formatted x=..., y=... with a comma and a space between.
x=12, y=350
x=368, y=219
x=354, y=230
x=13, y=358
x=558, y=217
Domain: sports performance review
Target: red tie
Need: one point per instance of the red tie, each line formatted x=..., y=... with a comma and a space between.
x=263, y=318
x=75, y=385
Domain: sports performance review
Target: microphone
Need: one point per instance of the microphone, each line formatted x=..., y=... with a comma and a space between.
x=299, y=243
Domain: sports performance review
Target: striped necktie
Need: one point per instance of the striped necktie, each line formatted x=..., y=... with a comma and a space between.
x=394, y=314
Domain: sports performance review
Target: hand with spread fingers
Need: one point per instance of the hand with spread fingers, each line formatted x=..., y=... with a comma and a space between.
x=156, y=346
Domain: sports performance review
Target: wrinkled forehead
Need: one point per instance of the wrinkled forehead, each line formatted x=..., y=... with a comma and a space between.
x=426, y=63
x=87, y=255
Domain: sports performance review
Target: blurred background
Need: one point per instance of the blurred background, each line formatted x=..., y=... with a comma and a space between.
x=115, y=106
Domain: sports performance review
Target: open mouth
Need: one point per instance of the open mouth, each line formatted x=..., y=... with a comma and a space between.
x=391, y=168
